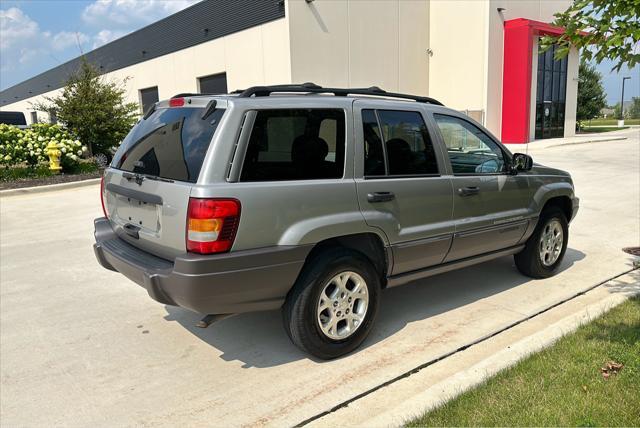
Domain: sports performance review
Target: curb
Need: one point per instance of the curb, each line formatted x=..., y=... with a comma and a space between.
x=49, y=187
x=588, y=142
x=417, y=399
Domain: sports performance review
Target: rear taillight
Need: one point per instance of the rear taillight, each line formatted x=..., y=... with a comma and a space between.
x=102, y=196
x=212, y=225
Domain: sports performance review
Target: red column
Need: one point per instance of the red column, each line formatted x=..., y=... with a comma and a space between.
x=516, y=84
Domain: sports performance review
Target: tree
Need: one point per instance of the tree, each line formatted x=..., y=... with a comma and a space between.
x=634, y=110
x=591, y=96
x=616, y=111
x=606, y=29
x=93, y=109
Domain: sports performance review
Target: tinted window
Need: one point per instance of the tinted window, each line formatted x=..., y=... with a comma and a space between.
x=471, y=151
x=373, y=152
x=214, y=84
x=148, y=97
x=171, y=143
x=300, y=144
x=12, y=118
x=408, y=148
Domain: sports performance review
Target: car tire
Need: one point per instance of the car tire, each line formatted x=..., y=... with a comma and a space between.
x=320, y=316
x=543, y=253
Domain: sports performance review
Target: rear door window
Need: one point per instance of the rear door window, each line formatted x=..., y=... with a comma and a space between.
x=295, y=144
x=171, y=143
x=407, y=149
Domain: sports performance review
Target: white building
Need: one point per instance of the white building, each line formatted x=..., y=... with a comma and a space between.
x=475, y=55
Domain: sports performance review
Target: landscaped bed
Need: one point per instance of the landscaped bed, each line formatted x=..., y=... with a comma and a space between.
x=588, y=378
x=40, y=175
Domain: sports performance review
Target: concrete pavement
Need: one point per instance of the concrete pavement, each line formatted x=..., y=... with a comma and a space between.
x=80, y=345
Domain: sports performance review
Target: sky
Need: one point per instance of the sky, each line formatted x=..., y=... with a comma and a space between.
x=36, y=35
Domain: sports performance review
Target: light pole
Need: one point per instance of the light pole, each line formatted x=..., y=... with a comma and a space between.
x=621, y=119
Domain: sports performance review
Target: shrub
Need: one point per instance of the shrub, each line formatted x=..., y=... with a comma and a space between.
x=30, y=145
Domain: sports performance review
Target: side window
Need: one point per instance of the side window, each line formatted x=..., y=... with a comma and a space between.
x=373, y=153
x=295, y=144
x=408, y=148
x=471, y=151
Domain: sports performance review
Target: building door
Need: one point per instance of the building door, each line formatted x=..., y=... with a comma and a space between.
x=214, y=84
x=148, y=97
x=550, y=95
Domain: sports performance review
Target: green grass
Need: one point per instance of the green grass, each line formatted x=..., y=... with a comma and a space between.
x=562, y=385
x=599, y=129
x=601, y=122
x=23, y=172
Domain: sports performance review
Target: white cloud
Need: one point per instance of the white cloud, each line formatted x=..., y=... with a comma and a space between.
x=14, y=27
x=131, y=13
x=23, y=42
x=66, y=39
x=106, y=36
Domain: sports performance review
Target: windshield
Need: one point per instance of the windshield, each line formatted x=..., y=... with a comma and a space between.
x=171, y=143
x=12, y=118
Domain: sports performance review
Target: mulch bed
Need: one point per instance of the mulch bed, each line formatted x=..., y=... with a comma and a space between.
x=43, y=181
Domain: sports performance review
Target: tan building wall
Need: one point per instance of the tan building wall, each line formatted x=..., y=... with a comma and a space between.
x=355, y=43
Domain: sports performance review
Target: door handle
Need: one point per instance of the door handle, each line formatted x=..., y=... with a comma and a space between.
x=380, y=197
x=468, y=191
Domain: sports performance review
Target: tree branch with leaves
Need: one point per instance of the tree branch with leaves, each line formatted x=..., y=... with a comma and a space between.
x=606, y=29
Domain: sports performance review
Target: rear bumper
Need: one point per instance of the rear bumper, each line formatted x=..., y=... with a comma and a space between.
x=240, y=281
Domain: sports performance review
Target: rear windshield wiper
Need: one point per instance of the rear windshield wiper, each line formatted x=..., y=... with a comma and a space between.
x=210, y=108
x=149, y=112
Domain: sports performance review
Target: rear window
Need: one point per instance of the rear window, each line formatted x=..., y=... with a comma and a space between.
x=171, y=144
x=12, y=118
x=295, y=144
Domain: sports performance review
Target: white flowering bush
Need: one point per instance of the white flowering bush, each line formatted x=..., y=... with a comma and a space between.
x=29, y=146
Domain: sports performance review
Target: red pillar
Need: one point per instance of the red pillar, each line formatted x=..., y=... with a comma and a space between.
x=516, y=84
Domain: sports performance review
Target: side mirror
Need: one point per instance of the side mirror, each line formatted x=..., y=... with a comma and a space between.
x=521, y=162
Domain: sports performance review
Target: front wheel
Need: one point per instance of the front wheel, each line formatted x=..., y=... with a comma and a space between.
x=545, y=248
x=332, y=306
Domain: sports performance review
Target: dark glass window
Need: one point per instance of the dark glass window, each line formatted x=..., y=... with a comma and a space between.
x=13, y=118
x=373, y=152
x=471, y=151
x=214, y=84
x=34, y=117
x=171, y=143
x=148, y=97
x=551, y=95
x=406, y=140
x=295, y=144
x=408, y=149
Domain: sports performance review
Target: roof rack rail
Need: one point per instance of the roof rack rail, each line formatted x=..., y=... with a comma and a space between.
x=265, y=91
x=192, y=94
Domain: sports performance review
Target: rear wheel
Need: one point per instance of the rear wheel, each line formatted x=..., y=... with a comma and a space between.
x=332, y=307
x=545, y=249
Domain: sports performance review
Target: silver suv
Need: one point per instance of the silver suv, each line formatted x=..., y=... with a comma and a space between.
x=313, y=200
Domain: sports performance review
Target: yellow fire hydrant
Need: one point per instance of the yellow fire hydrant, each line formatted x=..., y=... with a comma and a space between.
x=54, y=157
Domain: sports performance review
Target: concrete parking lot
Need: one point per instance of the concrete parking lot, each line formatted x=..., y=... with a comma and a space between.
x=80, y=345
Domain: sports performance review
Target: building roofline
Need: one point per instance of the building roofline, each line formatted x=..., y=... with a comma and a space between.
x=199, y=23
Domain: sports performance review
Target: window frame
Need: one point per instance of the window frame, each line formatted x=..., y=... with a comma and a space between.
x=385, y=156
x=505, y=154
x=238, y=155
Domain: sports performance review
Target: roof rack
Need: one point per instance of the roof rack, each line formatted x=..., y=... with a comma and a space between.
x=265, y=91
x=192, y=94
